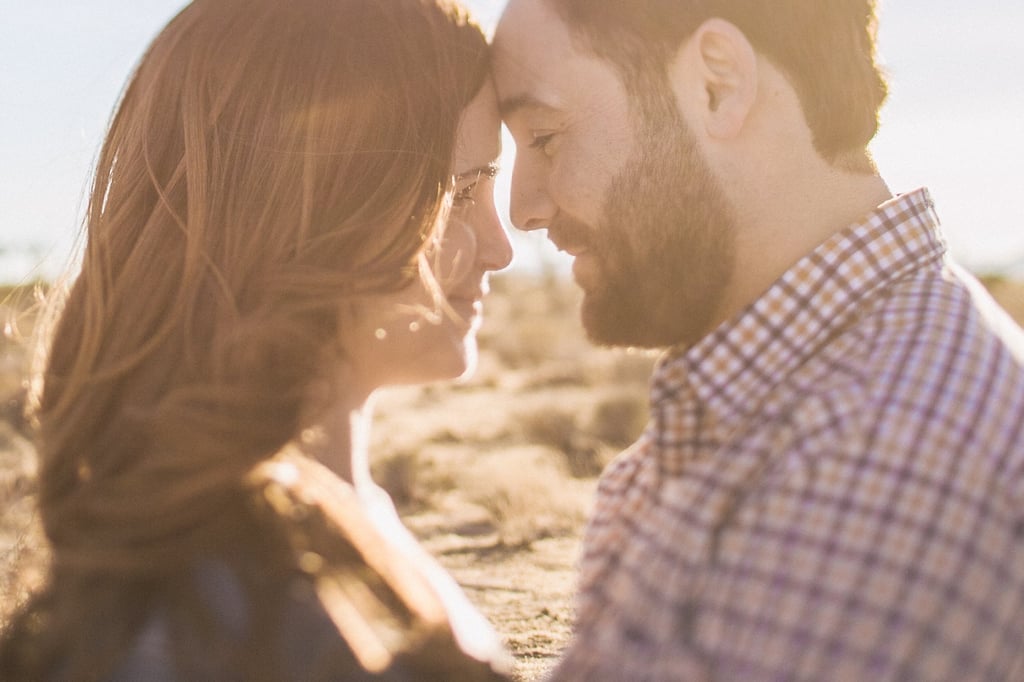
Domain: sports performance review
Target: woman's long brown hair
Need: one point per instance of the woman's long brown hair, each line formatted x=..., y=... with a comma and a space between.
x=269, y=161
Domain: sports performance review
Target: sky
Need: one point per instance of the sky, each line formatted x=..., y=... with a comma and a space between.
x=954, y=121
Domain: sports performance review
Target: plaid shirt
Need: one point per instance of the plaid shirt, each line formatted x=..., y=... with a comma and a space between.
x=831, y=486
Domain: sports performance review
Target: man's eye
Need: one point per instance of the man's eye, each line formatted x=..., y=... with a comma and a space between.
x=541, y=141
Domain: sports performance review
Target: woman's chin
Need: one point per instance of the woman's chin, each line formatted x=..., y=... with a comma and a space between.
x=469, y=363
x=457, y=363
x=460, y=364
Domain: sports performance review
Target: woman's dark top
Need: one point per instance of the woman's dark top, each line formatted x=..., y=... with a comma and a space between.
x=356, y=599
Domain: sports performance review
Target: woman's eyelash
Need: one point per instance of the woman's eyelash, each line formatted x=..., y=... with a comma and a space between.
x=465, y=194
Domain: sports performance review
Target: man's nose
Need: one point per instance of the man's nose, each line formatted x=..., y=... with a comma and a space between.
x=530, y=204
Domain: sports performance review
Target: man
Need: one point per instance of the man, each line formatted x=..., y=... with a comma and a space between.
x=832, y=483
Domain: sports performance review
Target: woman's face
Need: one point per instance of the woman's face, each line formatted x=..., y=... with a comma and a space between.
x=406, y=337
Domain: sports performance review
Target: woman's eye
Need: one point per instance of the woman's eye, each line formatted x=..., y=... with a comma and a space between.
x=464, y=196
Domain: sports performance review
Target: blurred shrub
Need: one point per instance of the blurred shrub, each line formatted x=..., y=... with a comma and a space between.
x=525, y=491
x=398, y=475
x=24, y=552
x=1008, y=292
x=618, y=419
x=19, y=309
x=584, y=455
x=532, y=320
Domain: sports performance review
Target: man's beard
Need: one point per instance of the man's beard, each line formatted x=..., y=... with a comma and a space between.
x=666, y=246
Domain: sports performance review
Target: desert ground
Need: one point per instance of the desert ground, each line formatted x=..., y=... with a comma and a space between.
x=494, y=474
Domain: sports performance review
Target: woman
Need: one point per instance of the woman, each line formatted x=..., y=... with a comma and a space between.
x=293, y=207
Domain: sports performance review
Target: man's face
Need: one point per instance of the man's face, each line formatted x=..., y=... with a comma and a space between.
x=617, y=179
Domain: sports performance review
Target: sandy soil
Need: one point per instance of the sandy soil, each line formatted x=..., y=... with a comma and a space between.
x=501, y=513
x=524, y=591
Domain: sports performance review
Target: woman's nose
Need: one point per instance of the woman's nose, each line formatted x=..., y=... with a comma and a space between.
x=494, y=250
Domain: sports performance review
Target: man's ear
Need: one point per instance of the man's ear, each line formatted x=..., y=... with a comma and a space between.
x=720, y=69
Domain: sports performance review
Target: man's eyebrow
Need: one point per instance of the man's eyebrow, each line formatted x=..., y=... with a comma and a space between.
x=511, y=105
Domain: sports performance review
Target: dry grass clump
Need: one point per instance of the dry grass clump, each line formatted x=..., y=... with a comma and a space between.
x=589, y=429
x=399, y=474
x=532, y=321
x=560, y=430
x=619, y=418
x=468, y=498
x=23, y=549
x=19, y=311
x=1008, y=292
x=523, y=490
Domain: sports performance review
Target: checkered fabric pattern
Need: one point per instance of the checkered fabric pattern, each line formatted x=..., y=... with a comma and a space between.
x=831, y=486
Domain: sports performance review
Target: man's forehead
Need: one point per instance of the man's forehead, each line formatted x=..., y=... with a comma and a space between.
x=530, y=32
x=524, y=15
x=530, y=43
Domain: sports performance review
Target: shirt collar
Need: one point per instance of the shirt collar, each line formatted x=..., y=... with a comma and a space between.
x=733, y=369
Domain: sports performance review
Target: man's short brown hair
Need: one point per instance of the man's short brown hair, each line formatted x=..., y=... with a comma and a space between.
x=826, y=48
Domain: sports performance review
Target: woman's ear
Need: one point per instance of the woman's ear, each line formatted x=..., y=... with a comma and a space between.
x=720, y=68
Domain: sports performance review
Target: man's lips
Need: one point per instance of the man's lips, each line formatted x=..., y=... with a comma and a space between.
x=570, y=235
x=572, y=243
x=572, y=247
